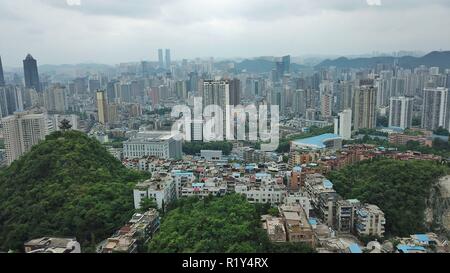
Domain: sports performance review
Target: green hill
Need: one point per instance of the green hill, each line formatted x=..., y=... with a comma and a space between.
x=227, y=224
x=400, y=188
x=68, y=185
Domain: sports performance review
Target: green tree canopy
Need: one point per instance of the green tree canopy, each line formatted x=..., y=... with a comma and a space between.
x=399, y=188
x=66, y=186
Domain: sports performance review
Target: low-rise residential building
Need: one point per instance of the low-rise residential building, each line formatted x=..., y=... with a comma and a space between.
x=301, y=199
x=275, y=229
x=263, y=190
x=370, y=221
x=52, y=245
x=211, y=155
x=403, y=139
x=161, y=187
x=140, y=229
x=323, y=197
x=207, y=187
x=346, y=215
x=298, y=228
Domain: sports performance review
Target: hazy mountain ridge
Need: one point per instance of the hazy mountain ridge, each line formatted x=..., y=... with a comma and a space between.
x=436, y=58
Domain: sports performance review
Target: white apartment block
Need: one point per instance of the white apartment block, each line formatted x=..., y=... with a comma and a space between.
x=401, y=112
x=263, y=191
x=211, y=186
x=161, y=188
x=152, y=143
x=22, y=131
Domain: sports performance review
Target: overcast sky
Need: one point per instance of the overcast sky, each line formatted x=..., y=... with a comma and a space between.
x=113, y=31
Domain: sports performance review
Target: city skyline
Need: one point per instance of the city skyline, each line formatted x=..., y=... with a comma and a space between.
x=120, y=32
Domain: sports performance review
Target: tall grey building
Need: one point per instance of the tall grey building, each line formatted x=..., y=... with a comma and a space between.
x=216, y=93
x=235, y=92
x=2, y=78
x=401, y=112
x=31, y=74
x=160, y=58
x=436, y=108
x=10, y=100
x=365, y=106
x=22, y=131
x=299, y=103
x=286, y=60
x=168, y=60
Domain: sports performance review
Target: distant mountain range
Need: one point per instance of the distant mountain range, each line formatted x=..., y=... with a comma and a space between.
x=262, y=66
x=434, y=59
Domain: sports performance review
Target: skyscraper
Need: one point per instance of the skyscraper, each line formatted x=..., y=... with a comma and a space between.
x=365, y=106
x=401, y=112
x=436, y=106
x=343, y=124
x=286, y=60
x=21, y=132
x=235, y=92
x=216, y=93
x=168, y=60
x=2, y=78
x=102, y=107
x=14, y=100
x=299, y=103
x=31, y=74
x=55, y=98
x=160, y=58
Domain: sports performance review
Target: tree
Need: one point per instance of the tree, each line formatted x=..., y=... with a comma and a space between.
x=147, y=204
x=399, y=188
x=66, y=186
x=441, y=131
x=65, y=125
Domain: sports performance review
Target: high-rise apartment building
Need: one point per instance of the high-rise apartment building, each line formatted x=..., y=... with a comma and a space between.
x=364, y=109
x=31, y=74
x=102, y=107
x=286, y=60
x=343, y=124
x=22, y=131
x=216, y=93
x=168, y=59
x=160, y=58
x=235, y=92
x=401, y=112
x=436, y=108
x=10, y=100
x=299, y=103
x=2, y=78
x=55, y=99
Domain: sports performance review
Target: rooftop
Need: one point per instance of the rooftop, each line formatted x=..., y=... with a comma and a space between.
x=317, y=142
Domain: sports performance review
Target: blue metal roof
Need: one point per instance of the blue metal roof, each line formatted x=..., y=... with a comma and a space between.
x=317, y=141
x=297, y=169
x=183, y=173
x=327, y=184
x=354, y=248
x=312, y=221
x=406, y=248
x=262, y=175
x=423, y=238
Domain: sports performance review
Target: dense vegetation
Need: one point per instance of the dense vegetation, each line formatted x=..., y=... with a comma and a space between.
x=216, y=225
x=68, y=185
x=442, y=132
x=399, y=188
x=285, y=143
x=195, y=147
